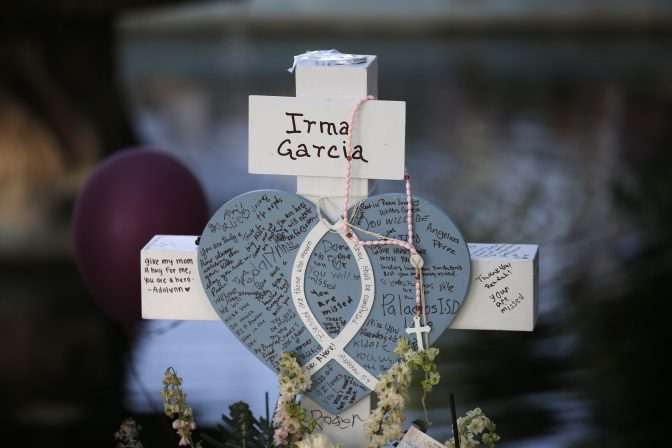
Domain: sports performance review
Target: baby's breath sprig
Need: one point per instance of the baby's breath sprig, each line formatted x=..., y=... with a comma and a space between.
x=175, y=406
x=473, y=424
x=384, y=425
x=128, y=435
x=290, y=418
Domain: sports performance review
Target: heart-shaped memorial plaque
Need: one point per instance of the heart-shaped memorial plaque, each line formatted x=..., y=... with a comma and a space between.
x=282, y=279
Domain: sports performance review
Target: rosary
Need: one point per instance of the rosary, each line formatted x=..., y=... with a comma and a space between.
x=420, y=331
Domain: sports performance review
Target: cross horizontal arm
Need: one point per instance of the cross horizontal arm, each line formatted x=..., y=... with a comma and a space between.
x=503, y=293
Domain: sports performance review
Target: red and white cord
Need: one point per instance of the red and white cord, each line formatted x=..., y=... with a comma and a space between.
x=416, y=260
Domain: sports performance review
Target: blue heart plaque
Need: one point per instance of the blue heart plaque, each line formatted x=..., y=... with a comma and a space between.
x=282, y=279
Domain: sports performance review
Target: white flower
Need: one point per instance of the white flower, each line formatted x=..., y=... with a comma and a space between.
x=474, y=412
x=391, y=398
x=317, y=440
x=384, y=425
x=128, y=434
x=280, y=436
x=175, y=406
x=476, y=426
x=288, y=419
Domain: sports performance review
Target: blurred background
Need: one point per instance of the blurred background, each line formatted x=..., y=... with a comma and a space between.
x=529, y=121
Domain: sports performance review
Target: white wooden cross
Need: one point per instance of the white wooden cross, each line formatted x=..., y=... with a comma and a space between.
x=503, y=293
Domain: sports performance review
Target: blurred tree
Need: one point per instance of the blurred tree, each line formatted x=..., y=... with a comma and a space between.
x=61, y=110
x=624, y=333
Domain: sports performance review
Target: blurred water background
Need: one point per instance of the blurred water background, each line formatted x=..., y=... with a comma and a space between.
x=528, y=122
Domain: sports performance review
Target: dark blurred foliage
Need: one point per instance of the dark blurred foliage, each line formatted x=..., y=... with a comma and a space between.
x=60, y=380
x=62, y=374
x=59, y=58
x=605, y=347
x=624, y=333
x=61, y=12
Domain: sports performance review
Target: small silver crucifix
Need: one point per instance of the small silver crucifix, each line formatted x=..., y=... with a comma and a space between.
x=418, y=330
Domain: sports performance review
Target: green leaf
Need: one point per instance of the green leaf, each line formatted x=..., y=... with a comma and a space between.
x=212, y=441
x=242, y=430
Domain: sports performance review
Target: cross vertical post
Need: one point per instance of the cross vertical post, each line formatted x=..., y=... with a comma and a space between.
x=351, y=81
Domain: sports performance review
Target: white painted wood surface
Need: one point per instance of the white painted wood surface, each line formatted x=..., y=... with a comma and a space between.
x=338, y=81
x=347, y=427
x=346, y=81
x=515, y=264
x=308, y=137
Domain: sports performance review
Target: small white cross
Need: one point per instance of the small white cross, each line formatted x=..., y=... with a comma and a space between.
x=418, y=330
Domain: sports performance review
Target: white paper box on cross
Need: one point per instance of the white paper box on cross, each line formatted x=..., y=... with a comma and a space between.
x=503, y=291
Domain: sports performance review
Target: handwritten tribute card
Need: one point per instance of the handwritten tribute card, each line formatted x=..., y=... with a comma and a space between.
x=169, y=277
x=283, y=280
x=415, y=438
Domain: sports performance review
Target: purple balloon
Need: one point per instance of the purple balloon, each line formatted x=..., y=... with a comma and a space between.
x=130, y=197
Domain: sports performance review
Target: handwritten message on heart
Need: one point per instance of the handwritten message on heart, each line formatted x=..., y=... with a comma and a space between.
x=282, y=280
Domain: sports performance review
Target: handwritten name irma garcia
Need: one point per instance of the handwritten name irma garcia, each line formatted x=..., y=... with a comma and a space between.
x=297, y=124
